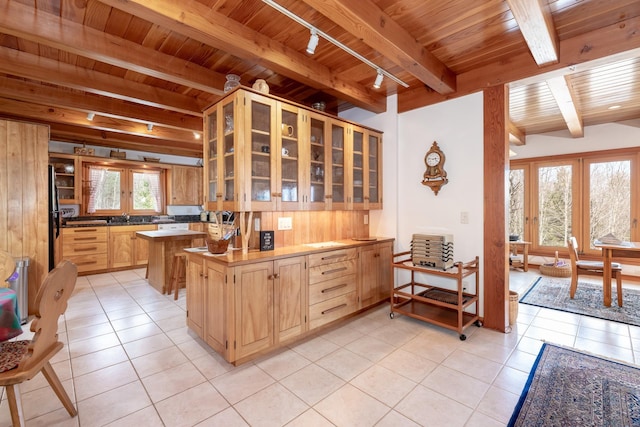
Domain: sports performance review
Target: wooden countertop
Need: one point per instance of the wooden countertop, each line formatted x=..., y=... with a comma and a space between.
x=168, y=235
x=235, y=257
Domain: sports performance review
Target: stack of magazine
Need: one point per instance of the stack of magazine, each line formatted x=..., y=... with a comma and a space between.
x=609, y=239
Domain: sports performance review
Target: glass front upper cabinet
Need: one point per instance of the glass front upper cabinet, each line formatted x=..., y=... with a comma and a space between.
x=375, y=174
x=338, y=187
x=211, y=146
x=289, y=185
x=320, y=150
x=356, y=197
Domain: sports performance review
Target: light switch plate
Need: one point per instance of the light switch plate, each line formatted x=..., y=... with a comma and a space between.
x=285, y=223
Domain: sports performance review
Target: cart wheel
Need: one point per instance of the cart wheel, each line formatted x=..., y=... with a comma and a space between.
x=478, y=323
x=463, y=337
x=391, y=315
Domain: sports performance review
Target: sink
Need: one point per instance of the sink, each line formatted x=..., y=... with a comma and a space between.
x=321, y=245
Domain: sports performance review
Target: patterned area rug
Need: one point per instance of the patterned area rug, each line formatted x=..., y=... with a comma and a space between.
x=553, y=292
x=569, y=388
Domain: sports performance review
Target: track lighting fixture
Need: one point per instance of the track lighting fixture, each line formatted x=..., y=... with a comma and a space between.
x=378, y=82
x=90, y=116
x=313, y=41
x=150, y=127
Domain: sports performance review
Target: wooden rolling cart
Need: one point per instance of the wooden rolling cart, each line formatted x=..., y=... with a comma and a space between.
x=433, y=304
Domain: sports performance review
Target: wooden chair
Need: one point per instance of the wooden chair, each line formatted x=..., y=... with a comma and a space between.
x=7, y=268
x=22, y=360
x=178, y=273
x=591, y=268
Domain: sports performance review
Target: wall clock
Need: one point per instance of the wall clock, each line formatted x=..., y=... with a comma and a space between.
x=435, y=176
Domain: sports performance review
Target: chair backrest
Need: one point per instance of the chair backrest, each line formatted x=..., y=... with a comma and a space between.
x=51, y=303
x=7, y=267
x=573, y=250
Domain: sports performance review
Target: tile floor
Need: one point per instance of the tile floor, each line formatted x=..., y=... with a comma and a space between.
x=130, y=361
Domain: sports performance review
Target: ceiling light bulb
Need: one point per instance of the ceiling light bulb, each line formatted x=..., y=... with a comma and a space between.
x=378, y=82
x=313, y=42
x=196, y=135
x=150, y=127
x=90, y=116
x=614, y=107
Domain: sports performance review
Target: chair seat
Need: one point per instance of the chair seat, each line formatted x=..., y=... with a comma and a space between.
x=11, y=352
x=596, y=265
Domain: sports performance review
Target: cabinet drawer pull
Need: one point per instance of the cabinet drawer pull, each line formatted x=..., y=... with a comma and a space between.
x=338, y=307
x=85, y=262
x=331, y=257
x=334, y=288
x=85, y=230
x=335, y=270
x=83, y=239
x=87, y=249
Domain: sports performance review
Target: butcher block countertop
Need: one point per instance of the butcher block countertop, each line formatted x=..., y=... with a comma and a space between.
x=236, y=258
x=169, y=235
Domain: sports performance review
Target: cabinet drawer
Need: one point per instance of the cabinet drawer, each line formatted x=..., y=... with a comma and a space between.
x=330, y=257
x=330, y=310
x=332, y=271
x=87, y=263
x=331, y=288
x=84, y=249
x=84, y=234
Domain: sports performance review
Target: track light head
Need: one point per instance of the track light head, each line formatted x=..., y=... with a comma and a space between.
x=378, y=82
x=313, y=42
x=90, y=116
x=150, y=127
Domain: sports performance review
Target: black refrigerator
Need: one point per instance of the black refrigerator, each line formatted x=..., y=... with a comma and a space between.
x=54, y=217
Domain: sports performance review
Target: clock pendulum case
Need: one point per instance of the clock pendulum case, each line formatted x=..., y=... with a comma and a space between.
x=435, y=176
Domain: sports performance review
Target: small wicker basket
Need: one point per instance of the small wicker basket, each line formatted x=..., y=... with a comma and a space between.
x=217, y=246
x=556, y=270
x=513, y=307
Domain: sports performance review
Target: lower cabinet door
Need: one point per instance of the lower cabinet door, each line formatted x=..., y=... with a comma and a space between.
x=216, y=315
x=195, y=295
x=290, y=297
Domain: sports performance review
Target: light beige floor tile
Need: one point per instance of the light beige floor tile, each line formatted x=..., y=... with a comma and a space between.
x=212, y=365
x=164, y=311
x=559, y=316
x=493, y=352
x=395, y=334
x=272, y=406
x=138, y=332
x=521, y=360
x=113, y=405
x=605, y=337
x=133, y=310
x=181, y=335
x=479, y=419
x=425, y=404
x=370, y=348
x=511, y=379
x=429, y=349
x=312, y=383
x=282, y=363
x=395, y=419
x=315, y=348
x=498, y=404
x=555, y=325
x=242, y=382
x=84, y=321
x=344, y=363
x=530, y=345
x=98, y=360
x=456, y=385
x=82, y=347
x=604, y=350
x=472, y=365
x=58, y=418
x=349, y=406
x=158, y=361
x=227, y=418
x=130, y=321
x=310, y=418
x=383, y=384
x=191, y=406
x=43, y=400
x=105, y=379
x=147, y=417
x=551, y=336
x=62, y=370
x=194, y=348
x=147, y=345
x=344, y=335
x=408, y=364
x=174, y=322
x=172, y=381
x=78, y=334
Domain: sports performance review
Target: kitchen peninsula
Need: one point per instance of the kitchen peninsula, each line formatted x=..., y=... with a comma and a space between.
x=163, y=245
x=247, y=305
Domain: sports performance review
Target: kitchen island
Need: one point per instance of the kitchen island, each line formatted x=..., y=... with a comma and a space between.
x=246, y=305
x=163, y=245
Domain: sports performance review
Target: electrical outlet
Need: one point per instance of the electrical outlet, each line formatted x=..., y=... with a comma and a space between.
x=256, y=224
x=464, y=217
x=285, y=223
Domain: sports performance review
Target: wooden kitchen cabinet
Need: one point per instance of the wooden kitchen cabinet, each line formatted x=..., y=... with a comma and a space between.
x=262, y=153
x=185, y=186
x=375, y=273
x=125, y=249
x=290, y=285
x=196, y=291
x=67, y=169
x=86, y=247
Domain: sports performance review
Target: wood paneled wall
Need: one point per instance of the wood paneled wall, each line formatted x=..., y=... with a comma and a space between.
x=24, y=197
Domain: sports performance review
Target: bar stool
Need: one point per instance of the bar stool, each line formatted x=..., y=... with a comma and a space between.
x=178, y=273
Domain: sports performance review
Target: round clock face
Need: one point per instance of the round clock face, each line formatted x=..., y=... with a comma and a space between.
x=433, y=159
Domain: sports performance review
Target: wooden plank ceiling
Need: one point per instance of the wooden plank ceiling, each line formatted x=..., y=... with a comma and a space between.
x=137, y=62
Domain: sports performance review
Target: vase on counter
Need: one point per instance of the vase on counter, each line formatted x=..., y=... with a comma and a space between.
x=233, y=81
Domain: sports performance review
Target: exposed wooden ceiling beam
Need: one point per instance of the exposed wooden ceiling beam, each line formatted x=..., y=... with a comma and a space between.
x=613, y=39
x=516, y=136
x=536, y=25
x=35, y=67
x=51, y=114
x=201, y=23
x=47, y=29
x=101, y=105
x=367, y=22
x=562, y=91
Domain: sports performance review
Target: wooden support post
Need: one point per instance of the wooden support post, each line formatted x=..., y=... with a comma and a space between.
x=245, y=230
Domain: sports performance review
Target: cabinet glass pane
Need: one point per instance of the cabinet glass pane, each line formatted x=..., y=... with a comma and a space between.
x=337, y=163
x=260, y=152
x=229, y=155
x=317, y=160
x=65, y=177
x=373, y=169
x=212, y=150
x=358, y=167
x=289, y=158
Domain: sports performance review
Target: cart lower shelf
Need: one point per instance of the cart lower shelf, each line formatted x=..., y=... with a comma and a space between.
x=439, y=316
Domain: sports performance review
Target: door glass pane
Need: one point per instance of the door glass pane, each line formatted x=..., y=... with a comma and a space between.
x=516, y=203
x=554, y=205
x=337, y=163
x=610, y=200
x=373, y=169
x=358, y=167
x=317, y=160
x=260, y=152
x=213, y=155
x=289, y=158
x=229, y=155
